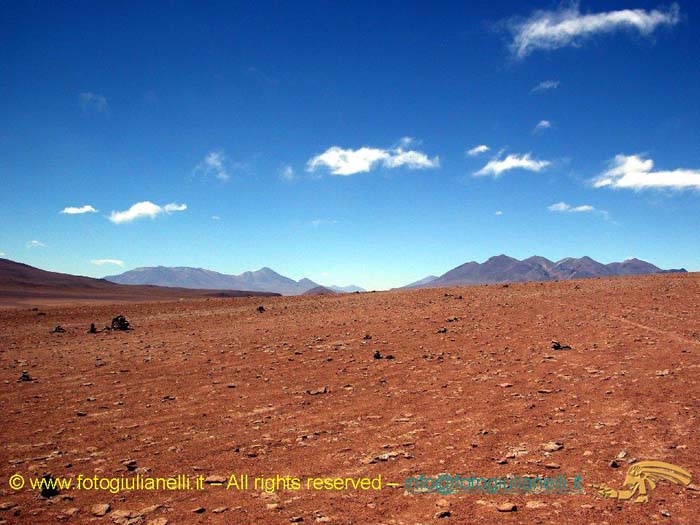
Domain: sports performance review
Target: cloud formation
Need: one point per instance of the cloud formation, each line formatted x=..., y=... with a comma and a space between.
x=74, y=210
x=637, y=173
x=563, y=207
x=144, y=209
x=546, y=30
x=542, y=125
x=287, y=174
x=545, y=85
x=102, y=262
x=36, y=244
x=93, y=102
x=495, y=167
x=213, y=164
x=478, y=150
x=341, y=161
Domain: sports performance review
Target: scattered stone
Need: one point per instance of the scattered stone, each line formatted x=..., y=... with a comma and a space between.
x=157, y=521
x=58, y=330
x=535, y=504
x=442, y=514
x=260, y=309
x=505, y=385
x=506, y=507
x=215, y=479
x=231, y=385
x=452, y=319
x=92, y=329
x=322, y=519
x=377, y=354
x=556, y=345
x=441, y=330
x=665, y=513
x=296, y=519
x=7, y=505
x=219, y=510
x=120, y=323
x=552, y=446
x=49, y=489
x=552, y=466
x=661, y=373
x=318, y=391
x=25, y=377
x=614, y=464
x=199, y=510
x=125, y=517
x=100, y=509
x=367, y=337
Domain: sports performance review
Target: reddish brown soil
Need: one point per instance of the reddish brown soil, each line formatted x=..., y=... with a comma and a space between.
x=162, y=395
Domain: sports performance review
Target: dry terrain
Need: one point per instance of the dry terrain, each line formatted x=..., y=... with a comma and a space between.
x=211, y=387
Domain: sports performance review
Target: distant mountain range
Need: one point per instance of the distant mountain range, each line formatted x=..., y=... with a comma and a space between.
x=21, y=283
x=504, y=269
x=263, y=280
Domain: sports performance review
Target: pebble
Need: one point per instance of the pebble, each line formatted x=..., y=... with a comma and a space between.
x=100, y=509
x=506, y=507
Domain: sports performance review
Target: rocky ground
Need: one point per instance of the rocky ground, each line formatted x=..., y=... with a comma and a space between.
x=211, y=387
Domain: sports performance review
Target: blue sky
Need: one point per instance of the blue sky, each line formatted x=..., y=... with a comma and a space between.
x=331, y=142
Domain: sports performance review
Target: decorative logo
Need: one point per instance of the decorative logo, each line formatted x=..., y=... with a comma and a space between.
x=642, y=478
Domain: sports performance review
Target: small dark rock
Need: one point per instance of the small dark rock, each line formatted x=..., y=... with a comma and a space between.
x=120, y=323
x=92, y=329
x=261, y=309
x=556, y=345
x=58, y=330
x=25, y=377
x=377, y=354
x=441, y=330
x=48, y=486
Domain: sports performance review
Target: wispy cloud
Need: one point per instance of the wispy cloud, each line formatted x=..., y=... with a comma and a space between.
x=144, y=209
x=2, y=254
x=321, y=222
x=545, y=85
x=213, y=164
x=637, y=173
x=102, y=262
x=478, y=150
x=545, y=30
x=495, y=167
x=563, y=207
x=77, y=210
x=287, y=174
x=93, y=102
x=215, y=218
x=542, y=125
x=498, y=213
x=35, y=244
x=341, y=161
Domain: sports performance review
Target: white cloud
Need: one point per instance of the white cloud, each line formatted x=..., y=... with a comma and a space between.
x=73, y=210
x=102, y=262
x=287, y=174
x=569, y=27
x=498, y=213
x=477, y=150
x=563, y=207
x=545, y=85
x=215, y=218
x=2, y=254
x=635, y=172
x=93, y=102
x=36, y=244
x=542, y=125
x=341, y=161
x=321, y=222
x=495, y=167
x=213, y=164
x=144, y=209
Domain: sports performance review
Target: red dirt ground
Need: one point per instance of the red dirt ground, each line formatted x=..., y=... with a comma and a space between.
x=480, y=398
